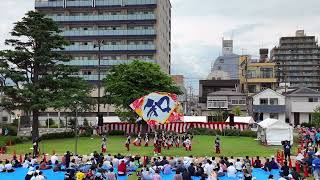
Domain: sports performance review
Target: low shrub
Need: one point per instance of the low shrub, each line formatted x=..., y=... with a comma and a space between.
x=12, y=129
x=308, y=125
x=248, y=133
x=58, y=135
x=116, y=133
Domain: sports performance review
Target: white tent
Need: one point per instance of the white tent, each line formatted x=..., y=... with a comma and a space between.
x=246, y=120
x=109, y=119
x=273, y=132
x=195, y=119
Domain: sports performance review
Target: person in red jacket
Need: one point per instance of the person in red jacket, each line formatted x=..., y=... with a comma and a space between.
x=122, y=169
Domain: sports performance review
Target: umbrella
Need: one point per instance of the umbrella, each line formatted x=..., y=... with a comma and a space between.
x=158, y=108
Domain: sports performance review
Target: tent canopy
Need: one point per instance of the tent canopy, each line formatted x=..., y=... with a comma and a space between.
x=273, y=132
x=195, y=119
x=110, y=119
x=246, y=120
x=270, y=123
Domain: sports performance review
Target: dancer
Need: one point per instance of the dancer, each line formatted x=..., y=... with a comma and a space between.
x=155, y=139
x=217, y=144
x=137, y=141
x=128, y=141
x=177, y=141
x=187, y=143
x=104, y=145
x=146, y=140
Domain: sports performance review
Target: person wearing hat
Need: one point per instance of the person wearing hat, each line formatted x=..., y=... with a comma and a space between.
x=316, y=166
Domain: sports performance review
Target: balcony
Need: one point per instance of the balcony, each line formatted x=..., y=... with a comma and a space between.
x=80, y=3
x=110, y=48
x=217, y=104
x=269, y=108
x=95, y=63
x=125, y=3
x=49, y=4
x=88, y=3
x=304, y=107
x=74, y=33
x=89, y=18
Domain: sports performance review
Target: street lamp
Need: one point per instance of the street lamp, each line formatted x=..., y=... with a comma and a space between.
x=76, y=131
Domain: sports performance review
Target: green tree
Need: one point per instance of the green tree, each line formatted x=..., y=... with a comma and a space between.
x=34, y=65
x=237, y=111
x=128, y=82
x=316, y=116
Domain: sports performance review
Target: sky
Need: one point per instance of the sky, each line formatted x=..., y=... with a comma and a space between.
x=198, y=27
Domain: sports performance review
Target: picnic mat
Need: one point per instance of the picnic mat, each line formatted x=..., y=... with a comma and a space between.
x=20, y=173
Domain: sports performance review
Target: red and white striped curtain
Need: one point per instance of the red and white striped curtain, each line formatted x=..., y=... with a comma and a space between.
x=178, y=127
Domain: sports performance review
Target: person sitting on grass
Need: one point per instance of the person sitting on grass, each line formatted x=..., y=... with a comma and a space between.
x=1, y=166
x=8, y=167
x=80, y=175
x=231, y=171
x=285, y=169
x=157, y=176
x=199, y=170
x=267, y=165
x=177, y=176
x=122, y=168
x=15, y=163
x=40, y=176
x=238, y=165
x=274, y=164
x=191, y=169
x=43, y=166
x=257, y=163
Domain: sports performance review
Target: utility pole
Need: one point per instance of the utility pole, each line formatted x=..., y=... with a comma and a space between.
x=99, y=44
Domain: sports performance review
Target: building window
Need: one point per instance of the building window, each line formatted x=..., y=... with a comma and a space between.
x=252, y=88
x=234, y=102
x=242, y=102
x=4, y=119
x=274, y=115
x=313, y=99
x=221, y=61
x=263, y=101
x=274, y=101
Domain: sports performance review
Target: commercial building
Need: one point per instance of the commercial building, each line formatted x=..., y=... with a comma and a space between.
x=257, y=75
x=297, y=60
x=179, y=80
x=225, y=67
x=269, y=104
x=207, y=90
x=125, y=30
x=224, y=101
x=300, y=105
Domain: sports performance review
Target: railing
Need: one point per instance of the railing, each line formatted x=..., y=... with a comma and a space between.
x=122, y=17
x=110, y=48
x=102, y=62
x=107, y=32
x=86, y=3
x=49, y=4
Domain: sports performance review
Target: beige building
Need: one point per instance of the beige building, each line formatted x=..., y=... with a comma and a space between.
x=256, y=75
x=126, y=29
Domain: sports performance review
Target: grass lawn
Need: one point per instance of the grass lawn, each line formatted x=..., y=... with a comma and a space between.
x=201, y=146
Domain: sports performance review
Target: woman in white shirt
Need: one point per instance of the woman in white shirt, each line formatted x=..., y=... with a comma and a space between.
x=8, y=166
x=238, y=165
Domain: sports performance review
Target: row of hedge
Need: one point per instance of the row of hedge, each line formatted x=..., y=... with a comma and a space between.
x=225, y=132
x=5, y=140
x=205, y=131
